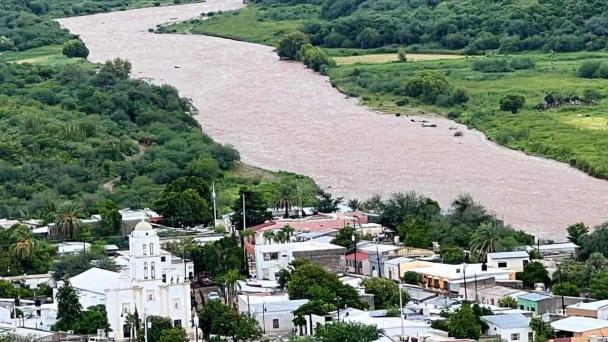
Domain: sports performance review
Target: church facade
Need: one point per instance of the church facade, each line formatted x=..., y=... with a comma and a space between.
x=153, y=284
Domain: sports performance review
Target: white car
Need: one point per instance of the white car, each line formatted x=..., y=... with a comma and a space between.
x=213, y=296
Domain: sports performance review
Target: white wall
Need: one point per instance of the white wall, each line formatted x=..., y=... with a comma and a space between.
x=515, y=264
x=506, y=334
x=266, y=269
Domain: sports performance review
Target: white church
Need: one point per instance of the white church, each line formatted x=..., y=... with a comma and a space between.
x=152, y=282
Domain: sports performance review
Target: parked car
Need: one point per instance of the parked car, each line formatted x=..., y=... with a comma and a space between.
x=213, y=296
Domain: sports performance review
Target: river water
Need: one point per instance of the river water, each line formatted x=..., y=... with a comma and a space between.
x=282, y=116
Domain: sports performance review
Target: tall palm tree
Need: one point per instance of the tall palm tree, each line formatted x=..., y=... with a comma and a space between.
x=231, y=279
x=269, y=236
x=24, y=247
x=284, y=198
x=131, y=322
x=68, y=224
x=354, y=204
x=288, y=230
x=485, y=240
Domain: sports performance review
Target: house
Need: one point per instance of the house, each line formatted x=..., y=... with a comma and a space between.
x=514, y=261
x=451, y=278
x=378, y=254
x=564, y=250
x=72, y=248
x=597, y=309
x=543, y=303
x=273, y=313
x=393, y=268
x=270, y=259
x=493, y=294
x=574, y=326
x=510, y=327
x=357, y=263
x=130, y=217
x=146, y=285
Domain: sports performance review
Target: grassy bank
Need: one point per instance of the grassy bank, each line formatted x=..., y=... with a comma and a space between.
x=575, y=134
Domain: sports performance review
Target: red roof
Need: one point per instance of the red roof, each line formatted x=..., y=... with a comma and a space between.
x=262, y=225
x=360, y=256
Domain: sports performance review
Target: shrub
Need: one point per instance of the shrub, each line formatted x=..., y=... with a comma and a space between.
x=75, y=48
x=512, y=103
x=315, y=58
x=492, y=65
x=427, y=85
x=588, y=69
x=289, y=45
x=454, y=114
x=401, y=54
x=591, y=95
x=402, y=102
x=459, y=96
x=520, y=63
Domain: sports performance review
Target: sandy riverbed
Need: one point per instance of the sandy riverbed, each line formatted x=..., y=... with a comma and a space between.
x=281, y=116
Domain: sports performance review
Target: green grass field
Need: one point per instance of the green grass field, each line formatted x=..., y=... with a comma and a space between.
x=250, y=24
x=47, y=55
x=574, y=134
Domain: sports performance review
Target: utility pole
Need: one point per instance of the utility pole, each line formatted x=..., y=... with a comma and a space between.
x=243, y=240
x=464, y=274
x=145, y=325
x=214, y=206
x=379, y=267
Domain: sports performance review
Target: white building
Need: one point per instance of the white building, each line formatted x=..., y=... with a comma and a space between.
x=510, y=327
x=146, y=286
x=72, y=248
x=270, y=259
x=514, y=261
x=393, y=269
x=274, y=313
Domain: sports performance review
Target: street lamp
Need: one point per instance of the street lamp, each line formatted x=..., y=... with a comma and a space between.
x=355, y=248
x=401, y=312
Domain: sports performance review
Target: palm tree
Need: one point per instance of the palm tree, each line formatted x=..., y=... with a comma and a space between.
x=354, y=204
x=231, y=279
x=485, y=240
x=284, y=198
x=24, y=247
x=288, y=230
x=269, y=236
x=299, y=321
x=131, y=322
x=247, y=234
x=280, y=236
x=68, y=224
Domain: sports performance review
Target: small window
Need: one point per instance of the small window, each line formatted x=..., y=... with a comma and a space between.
x=530, y=336
x=177, y=323
x=125, y=308
x=163, y=259
x=144, y=249
x=150, y=295
x=275, y=323
x=152, y=270
x=151, y=248
x=126, y=331
x=502, y=264
x=514, y=337
x=164, y=278
x=526, y=262
x=145, y=270
x=176, y=304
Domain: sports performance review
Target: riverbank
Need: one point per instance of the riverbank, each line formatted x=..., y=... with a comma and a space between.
x=282, y=116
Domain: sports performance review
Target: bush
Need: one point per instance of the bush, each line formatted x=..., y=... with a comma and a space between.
x=492, y=65
x=402, y=102
x=401, y=54
x=315, y=58
x=427, y=85
x=289, y=45
x=521, y=63
x=75, y=48
x=512, y=103
x=588, y=69
x=460, y=96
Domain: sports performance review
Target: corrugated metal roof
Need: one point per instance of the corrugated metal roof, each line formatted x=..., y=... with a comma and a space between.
x=579, y=324
x=508, y=255
x=508, y=321
x=535, y=296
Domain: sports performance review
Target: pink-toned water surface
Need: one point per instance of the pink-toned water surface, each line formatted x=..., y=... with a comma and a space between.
x=282, y=116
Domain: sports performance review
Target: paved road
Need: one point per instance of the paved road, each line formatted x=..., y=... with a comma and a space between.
x=281, y=116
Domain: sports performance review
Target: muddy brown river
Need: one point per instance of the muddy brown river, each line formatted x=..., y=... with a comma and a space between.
x=282, y=116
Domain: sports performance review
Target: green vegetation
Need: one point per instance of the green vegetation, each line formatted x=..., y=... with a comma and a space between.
x=385, y=291
x=219, y=319
x=563, y=116
x=471, y=25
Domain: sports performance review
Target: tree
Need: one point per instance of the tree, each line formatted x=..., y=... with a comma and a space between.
x=211, y=312
x=346, y=332
x=67, y=224
x=288, y=231
x=403, y=206
x=284, y=198
x=512, y=103
x=156, y=327
x=111, y=219
x=486, y=239
x=75, y=48
x=69, y=309
x=177, y=334
x=464, y=323
x=71, y=265
x=344, y=237
x=185, y=207
x=269, y=236
x=598, y=286
x=415, y=232
x=411, y=277
x=534, y=272
x=543, y=331
x=255, y=206
x=230, y=282
x=596, y=262
x=427, y=85
x=132, y=323
x=566, y=289
x=288, y=47
x=452, y=255
x=94, y=318
x=25, y=247
x=120, y=68
x=354, y=204
x=576, y=232
x=573, y=272
x=507, y=302
x=247, y=328
x=385, y=291
x=327, y=204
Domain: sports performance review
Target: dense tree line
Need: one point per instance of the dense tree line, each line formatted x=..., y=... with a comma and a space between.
x=69, y=129
x=471, y=25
